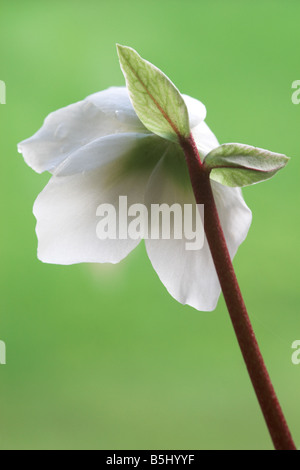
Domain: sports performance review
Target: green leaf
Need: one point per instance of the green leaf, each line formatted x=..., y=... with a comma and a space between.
x=243, y=165
x=156, y=100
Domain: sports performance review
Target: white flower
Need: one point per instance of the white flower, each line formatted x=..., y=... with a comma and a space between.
x=97, y=150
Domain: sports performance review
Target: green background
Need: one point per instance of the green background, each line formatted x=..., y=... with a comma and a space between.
x=101, y=356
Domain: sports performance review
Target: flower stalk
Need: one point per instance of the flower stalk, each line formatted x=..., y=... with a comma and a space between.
x=83, y=144
x=271, y=409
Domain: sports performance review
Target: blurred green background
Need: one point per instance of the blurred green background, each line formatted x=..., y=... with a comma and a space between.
x=101, y=357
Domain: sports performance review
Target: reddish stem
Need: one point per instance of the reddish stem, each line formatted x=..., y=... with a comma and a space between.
x=260, y=378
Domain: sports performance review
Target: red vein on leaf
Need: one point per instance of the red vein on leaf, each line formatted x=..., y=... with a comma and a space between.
x=165, y=115
x=224, y=167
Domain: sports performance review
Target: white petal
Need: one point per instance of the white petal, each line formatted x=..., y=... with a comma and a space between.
x=235, y=215
x=196, y=110
x=190, y=276
x=115, y=102
x=66, y=211
x=105, y=150
x=205, y=139
x=73, y=127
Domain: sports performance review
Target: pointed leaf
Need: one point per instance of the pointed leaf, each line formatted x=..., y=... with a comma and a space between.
x=243, y=165
x=156, y=100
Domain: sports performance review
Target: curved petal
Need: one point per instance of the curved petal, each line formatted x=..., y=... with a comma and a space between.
x=190, y=276
x=116, y=104
x=73, y=127
x=103, y=151
x=235, y=215
x=66, y=211
x=205, y=139
x=196, y=110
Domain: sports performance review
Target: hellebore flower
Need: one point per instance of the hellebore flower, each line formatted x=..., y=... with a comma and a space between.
x=130, y=142
x=97, y=150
